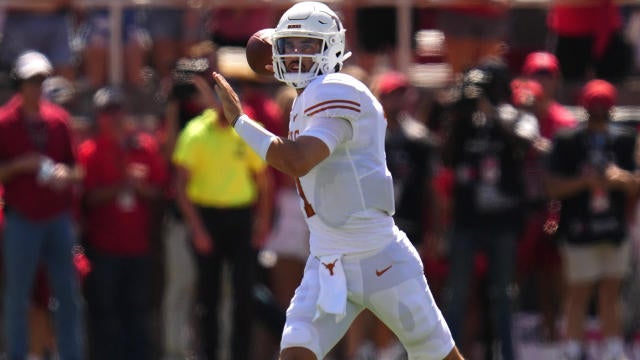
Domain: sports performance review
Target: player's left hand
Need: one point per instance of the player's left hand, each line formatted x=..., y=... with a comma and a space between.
x=230, y=100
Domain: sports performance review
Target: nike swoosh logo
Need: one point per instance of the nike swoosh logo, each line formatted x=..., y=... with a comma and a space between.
x=380, y=272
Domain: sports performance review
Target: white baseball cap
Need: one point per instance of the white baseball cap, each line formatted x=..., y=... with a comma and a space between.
x=32, y=63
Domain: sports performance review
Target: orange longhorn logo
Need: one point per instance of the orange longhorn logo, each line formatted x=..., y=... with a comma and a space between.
x=330, y=266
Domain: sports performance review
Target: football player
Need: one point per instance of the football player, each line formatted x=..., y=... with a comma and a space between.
x=335, y=150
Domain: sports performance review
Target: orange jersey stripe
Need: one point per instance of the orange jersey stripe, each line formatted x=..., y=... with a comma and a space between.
x=330, y=102
x=334, y=107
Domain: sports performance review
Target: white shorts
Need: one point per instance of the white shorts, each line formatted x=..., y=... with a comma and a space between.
x=593, y=262
x=392, y=285
x=289, y=236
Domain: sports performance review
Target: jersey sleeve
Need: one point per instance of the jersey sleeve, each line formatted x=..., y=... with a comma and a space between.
x=332, y=131
x=335, y=100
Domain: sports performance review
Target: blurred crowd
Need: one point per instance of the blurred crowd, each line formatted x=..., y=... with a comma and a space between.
x=137, y=225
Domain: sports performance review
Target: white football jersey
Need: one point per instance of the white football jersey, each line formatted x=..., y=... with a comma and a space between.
x=348, y=197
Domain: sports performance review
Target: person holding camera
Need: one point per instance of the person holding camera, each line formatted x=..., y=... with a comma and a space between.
x=591, y=170
x=36, y=170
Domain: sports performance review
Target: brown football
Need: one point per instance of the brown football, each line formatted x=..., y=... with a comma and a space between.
x=259, y=52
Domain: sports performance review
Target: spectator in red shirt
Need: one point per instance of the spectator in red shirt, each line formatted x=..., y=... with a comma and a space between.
x=124, y=174
x=589, y=37
x=36, y=160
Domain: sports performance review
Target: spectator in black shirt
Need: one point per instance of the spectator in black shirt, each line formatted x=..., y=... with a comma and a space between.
x=591, y=170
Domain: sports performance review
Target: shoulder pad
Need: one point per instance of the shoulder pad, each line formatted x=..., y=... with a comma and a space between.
x=335, y=96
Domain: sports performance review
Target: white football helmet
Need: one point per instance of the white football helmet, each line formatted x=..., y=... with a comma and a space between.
x=314, y=20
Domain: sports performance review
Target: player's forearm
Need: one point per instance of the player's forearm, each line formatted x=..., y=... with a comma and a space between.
x=289, y=157
x=293, y=157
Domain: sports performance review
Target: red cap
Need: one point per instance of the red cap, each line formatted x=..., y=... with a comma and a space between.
x=598, y=92
x=390, y=81
x=540, y=61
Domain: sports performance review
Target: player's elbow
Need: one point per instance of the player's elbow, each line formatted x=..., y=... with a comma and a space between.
x=295, y=158
x=297, y=167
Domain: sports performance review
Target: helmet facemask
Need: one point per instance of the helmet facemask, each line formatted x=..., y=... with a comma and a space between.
x=314, y=21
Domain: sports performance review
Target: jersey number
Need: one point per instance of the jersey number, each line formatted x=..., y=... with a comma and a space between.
x=308, y=209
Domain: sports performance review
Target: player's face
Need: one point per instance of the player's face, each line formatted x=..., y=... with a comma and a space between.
x=297, y=46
